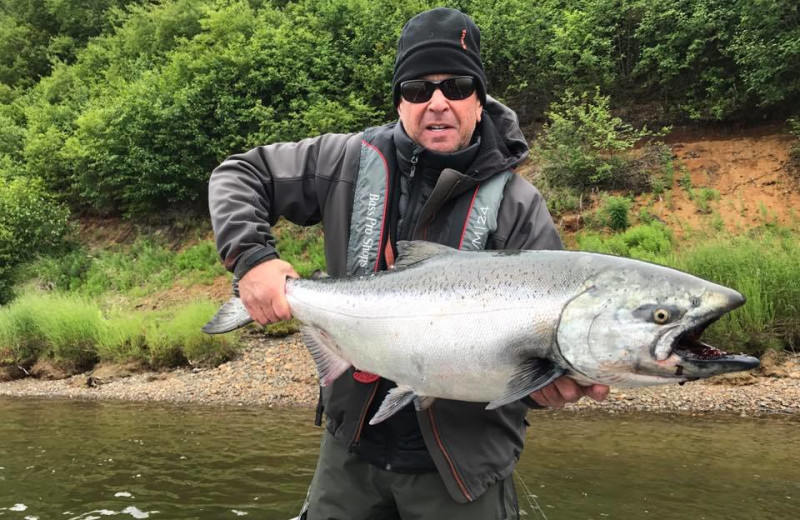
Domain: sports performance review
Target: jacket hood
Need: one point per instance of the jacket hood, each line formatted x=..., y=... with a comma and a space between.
x=497, y=146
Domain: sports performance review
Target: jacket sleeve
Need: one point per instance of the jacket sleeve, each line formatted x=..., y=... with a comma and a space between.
x=248, y=192
x=523, y=221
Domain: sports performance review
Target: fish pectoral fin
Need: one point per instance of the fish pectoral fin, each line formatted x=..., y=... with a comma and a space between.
x=410, y=253
x=423, y=402
x=535, y=374
x=324, y=351
x=231, y=316
x=394, y=401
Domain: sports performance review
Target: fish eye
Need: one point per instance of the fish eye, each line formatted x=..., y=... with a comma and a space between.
x=661, y=316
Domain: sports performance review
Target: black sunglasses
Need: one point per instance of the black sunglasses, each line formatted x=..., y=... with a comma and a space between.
x=454, y=89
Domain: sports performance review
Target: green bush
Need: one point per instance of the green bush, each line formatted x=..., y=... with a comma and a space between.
x=124, y=106
x=617, y=209
x=31, y=223
x=703, y=197
x=645, y=242
x=34, y=34
x=585, y=146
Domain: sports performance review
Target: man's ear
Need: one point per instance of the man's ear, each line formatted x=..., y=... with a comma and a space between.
x=480, y=112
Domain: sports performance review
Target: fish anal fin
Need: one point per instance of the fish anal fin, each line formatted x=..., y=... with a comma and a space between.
x=412, y=252
x=394, y=401
x=534, y=374
x=325, y=353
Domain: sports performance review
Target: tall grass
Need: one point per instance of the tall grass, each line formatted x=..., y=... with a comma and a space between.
x=70, y=328
x=763, y=265
x=135, y=270
x=303, y=247
x=177, y=338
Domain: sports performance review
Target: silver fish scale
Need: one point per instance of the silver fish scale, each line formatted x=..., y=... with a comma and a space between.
x=464, y=321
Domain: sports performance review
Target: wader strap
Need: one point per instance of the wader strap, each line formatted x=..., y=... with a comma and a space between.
x=481, y=221
x=370, y=204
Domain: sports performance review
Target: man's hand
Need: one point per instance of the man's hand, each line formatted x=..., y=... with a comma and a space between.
x=565, y=390
x=263, y=291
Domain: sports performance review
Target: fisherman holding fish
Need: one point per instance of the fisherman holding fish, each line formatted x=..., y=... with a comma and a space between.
x=443, y=173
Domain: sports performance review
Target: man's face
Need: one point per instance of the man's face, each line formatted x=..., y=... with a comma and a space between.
x=441, y=124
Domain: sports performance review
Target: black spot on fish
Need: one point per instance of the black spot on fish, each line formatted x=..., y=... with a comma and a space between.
x=679, y=371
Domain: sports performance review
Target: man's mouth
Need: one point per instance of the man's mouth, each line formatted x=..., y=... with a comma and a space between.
x=438, y=128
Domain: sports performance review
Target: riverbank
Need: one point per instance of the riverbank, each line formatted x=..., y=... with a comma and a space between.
x=279, y=372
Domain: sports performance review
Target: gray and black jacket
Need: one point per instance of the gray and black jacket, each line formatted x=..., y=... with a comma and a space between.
x=314, y=181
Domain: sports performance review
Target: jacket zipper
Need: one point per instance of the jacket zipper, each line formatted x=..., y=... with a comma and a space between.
x=412, y=198
x=354, y=442
x=447, y=456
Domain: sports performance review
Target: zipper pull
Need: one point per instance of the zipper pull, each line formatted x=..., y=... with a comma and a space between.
x=414, y=160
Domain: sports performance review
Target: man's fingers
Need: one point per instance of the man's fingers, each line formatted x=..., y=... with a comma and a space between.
x=570, y=391
x=597, y=392
x=553, y=396
x=280, y=308
x=566, y=390
x=256, y=312
x=263, y=291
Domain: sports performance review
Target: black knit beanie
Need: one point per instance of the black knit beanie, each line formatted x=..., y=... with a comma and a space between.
x=439, y=41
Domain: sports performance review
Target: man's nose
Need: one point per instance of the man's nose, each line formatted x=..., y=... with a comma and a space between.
x=438, y=102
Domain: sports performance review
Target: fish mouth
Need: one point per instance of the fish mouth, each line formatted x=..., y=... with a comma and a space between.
x=698, y=359
x=689, y=346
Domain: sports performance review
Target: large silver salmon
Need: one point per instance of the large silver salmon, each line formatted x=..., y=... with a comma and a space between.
x=494, y=326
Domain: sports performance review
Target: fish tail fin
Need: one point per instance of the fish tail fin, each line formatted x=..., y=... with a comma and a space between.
x=231, y=316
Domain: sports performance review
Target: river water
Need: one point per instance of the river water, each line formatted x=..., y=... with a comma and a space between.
x=79, y=460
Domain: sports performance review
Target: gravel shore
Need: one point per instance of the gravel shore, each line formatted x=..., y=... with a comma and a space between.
x=279, y=372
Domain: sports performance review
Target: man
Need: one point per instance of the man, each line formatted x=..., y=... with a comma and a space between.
x=443, y=174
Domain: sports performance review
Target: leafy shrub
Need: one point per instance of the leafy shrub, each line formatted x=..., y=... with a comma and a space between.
x=125, y=110
x=585, y=146
x=560, y=199
x=646, y=242
x=617, y=209
x=703, y=196
x=31, y=223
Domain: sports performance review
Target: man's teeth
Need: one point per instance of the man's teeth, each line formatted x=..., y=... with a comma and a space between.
x=437, y=127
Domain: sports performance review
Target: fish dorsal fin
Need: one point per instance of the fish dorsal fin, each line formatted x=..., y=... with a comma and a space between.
x=410, y=253
x=326, y=354
x=534, y=374
x=394, y=401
